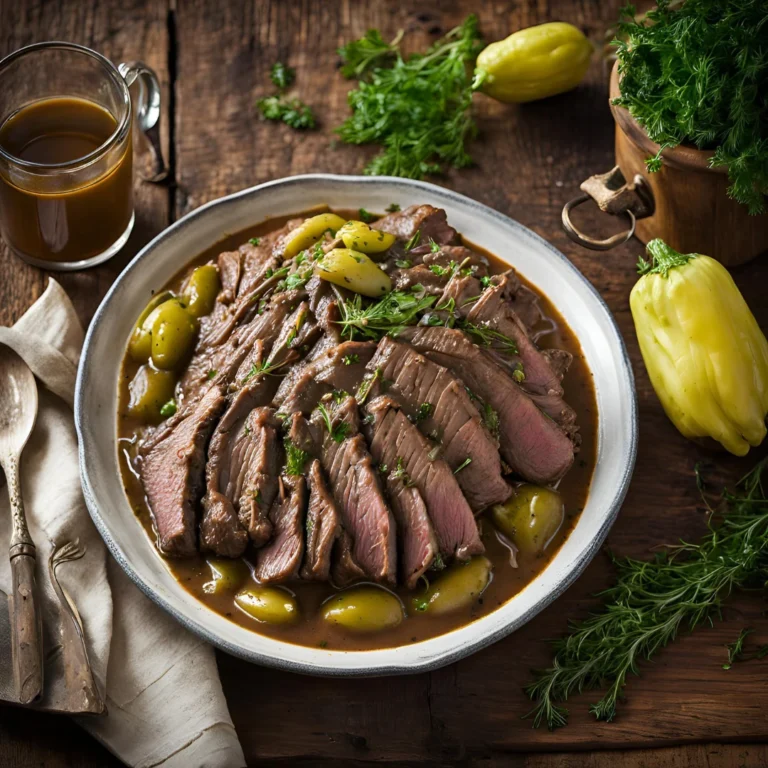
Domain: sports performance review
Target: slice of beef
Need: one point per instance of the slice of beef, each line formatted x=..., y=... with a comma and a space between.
x=399, y=448
x=438, y=403
x=492, y=310
x=216, y=325
x=220, y=364
x=260, y=483
x=280, y=559
x=429, y=221
x=322, y=526
x=339, y=368
x=345, y=570
x=172, y=475
x=454, y=304
x=531, y=443
x=523, y=301
x=365, y=514
x=418, y=276
x=454, y=258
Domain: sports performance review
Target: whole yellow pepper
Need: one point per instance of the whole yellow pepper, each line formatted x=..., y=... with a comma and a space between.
x=705, y=354
x=534, y=63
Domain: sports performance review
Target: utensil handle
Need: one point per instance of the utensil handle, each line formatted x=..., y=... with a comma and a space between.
x=26, y=620
x=26, y=629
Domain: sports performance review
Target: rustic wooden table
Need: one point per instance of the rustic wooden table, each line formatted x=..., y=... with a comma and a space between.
x=213, y=59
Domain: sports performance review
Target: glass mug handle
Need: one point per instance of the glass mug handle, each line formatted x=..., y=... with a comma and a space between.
x=147, y=112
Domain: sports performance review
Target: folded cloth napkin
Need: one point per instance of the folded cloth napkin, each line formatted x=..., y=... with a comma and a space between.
x=165, y=705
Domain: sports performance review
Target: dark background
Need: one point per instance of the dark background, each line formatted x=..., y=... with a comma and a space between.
x=213, y=60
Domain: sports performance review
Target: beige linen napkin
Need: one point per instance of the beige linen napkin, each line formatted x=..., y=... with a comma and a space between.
x=161, y=686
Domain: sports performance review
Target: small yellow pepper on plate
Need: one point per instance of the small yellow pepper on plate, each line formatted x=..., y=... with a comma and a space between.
x=705, y=354
x=534, y=63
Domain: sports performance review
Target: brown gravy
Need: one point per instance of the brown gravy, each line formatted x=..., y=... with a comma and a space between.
x=82, y=217
x=311, y=630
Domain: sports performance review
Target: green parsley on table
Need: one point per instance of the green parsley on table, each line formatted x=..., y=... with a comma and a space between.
x=415, y=108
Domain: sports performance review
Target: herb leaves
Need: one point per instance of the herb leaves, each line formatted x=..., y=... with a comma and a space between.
x=696, y=74
x=652, y=601
x=415, y=108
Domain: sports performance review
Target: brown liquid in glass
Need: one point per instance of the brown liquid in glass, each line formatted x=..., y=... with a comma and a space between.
x=80, y=219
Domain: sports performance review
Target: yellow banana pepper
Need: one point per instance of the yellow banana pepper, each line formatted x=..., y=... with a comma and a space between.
x=705, y=354
x=534, y=63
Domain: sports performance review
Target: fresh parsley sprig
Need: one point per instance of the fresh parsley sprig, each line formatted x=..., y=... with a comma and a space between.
x=415, y=108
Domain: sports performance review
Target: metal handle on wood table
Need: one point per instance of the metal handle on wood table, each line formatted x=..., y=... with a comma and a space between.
x=26, y=619
x=147, y=112
x=613, y=195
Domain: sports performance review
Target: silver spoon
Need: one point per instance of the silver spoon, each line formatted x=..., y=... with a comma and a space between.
x=18, y=410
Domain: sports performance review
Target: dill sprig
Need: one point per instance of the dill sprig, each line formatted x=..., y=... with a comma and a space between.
x=416, y=108
x=488, y=337
x=652, y=601
x=698, y=74
x=389, y=315
x=337, y=433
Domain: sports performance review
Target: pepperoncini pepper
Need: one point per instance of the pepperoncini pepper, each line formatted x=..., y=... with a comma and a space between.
x=705, y=354
x=534, y=63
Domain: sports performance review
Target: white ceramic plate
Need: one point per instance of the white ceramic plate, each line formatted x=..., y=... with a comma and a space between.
x=543, y=265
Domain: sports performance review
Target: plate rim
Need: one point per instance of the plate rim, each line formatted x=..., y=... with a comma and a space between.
x=323, y=668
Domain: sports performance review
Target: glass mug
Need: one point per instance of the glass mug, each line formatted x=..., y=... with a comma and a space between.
x=66, y=158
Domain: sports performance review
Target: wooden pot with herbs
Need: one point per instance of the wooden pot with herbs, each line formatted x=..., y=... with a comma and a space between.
x=688, y=96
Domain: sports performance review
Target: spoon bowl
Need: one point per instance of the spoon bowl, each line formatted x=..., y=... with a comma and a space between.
x=18, y=410
x=18, y=402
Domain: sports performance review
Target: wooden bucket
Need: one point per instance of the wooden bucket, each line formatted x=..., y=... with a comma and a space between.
x=685, y=203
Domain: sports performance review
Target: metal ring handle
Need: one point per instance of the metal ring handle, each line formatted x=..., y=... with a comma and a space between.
x=589, y=242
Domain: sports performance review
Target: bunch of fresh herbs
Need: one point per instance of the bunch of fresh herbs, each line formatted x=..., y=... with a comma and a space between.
x=289, y=110
x=417, y=108
x=652, y=601
x=698, y=74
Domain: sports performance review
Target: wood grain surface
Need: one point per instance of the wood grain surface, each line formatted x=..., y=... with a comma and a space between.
x=213, y=60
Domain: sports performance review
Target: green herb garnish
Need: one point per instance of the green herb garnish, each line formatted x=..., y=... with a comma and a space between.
x=211, y=374
x=491, y=420
x=413, y=241
x=365, y=216
x=400, y=474
x=416, y=108
x=350, y=359
x=295, y=458
x=433, y=246
x=392, y=208
x=255, y=240
x=488, y=337
x=282, y=75
x=338, y=433
x=168, y=409
x=463, y=464
x=653, y=600
x=292, y=112
x=424, y=412
x=365, y=388
x=388, y=315
x=403, y=263
x=697, y=74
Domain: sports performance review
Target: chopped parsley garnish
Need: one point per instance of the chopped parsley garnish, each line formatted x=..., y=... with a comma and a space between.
x=255, y=240
x=211, y=374
x=294, y=281
x=403, y=263
x=433, y=246
x=339, y=395
x=399, y=473
x=486, y=281
x=420, y=604
x=282, y=75
x=424, y=412
x=365, y=388
x=438, y=564
x=168, y=409
x=365, y=216
x=392, y=208
x=350, y=359
x=491, y=420
x=295, y=458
